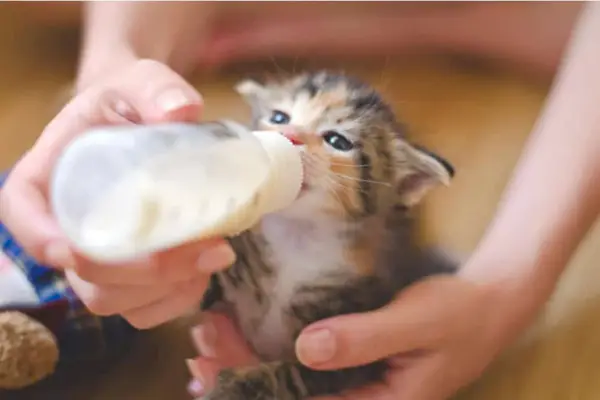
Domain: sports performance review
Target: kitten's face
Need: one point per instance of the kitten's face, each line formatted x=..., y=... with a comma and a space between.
x=355, y=160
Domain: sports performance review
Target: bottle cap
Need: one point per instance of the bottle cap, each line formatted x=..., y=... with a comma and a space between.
x=287, y=174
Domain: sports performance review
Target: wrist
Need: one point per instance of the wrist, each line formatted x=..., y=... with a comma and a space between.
x=516, y=288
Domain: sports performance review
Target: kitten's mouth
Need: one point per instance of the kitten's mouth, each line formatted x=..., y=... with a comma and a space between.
x=303, y=189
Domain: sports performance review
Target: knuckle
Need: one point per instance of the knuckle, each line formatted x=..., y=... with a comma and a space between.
x=107, y=104
x=150, y=66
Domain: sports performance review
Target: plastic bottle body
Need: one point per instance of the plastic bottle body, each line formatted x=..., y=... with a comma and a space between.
x=122, y=192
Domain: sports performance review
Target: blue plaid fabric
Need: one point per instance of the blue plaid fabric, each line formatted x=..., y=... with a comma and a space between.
x=84, y=338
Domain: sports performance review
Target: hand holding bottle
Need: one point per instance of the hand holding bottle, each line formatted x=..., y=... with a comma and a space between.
x=150, y=290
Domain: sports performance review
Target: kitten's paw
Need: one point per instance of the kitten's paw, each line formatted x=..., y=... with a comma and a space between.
x=235, y=385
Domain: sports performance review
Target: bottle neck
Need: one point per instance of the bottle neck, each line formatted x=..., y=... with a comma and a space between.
x=286, y=175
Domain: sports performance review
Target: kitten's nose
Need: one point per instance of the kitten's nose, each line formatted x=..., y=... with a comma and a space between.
x=295, y=141
x=294, y=137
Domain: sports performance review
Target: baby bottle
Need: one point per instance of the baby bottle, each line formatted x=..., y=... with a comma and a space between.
x=125, y=191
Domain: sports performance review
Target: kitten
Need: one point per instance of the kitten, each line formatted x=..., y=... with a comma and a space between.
x=344, y=246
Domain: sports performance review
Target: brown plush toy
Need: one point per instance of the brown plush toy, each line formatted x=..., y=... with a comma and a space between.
x=28, y=350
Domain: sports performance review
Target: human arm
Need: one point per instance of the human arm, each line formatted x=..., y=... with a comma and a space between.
x=554, y=197
x=117, y=33
x=550, y=204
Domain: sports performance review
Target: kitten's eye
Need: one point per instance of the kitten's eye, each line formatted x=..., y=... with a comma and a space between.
x=279, y=118
x=337, y=141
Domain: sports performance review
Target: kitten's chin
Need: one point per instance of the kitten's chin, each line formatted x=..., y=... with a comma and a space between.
x=307, y=205
x=304, y=189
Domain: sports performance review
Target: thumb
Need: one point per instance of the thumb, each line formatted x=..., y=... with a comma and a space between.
x=158, y=93
x=354, y=340
x=408, y=324
x=218, y=338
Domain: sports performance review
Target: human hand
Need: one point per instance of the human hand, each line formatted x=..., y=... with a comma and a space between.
x=146, y=292
x=439, y=335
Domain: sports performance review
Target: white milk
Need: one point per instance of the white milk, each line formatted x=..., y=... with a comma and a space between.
x=170, y=197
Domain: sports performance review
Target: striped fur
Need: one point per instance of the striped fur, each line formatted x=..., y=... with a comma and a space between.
x=344, y=246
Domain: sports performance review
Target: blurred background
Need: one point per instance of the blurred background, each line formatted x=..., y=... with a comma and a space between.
x=474, y=115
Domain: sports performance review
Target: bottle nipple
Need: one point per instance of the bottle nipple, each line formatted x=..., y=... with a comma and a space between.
x=286, y=171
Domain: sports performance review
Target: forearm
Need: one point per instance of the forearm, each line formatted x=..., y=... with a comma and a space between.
x=554, y=197
x=115, y=33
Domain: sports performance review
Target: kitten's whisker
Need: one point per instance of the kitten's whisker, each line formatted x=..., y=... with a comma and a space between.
x=334, y=192
x=362, y=180
x=350, y=188
x=333, y=181
x=281, y=70
x=348, y=165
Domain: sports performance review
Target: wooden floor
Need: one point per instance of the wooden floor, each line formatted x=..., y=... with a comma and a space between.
x=477, y=120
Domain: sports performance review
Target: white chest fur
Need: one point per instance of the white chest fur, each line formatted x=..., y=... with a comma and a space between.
x=302, y=253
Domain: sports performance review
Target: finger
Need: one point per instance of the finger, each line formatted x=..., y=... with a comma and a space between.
x=159, y=93
x=353, y=340
x=167, y=308
x=210, y=255
x=172, y=266
x=113, y=299
x=423, y=380
x=196, y=389
x=205, y=372
x=219, y=339
x=309, y=35
x=371, y=392
x=408, y=324
x=389, y=390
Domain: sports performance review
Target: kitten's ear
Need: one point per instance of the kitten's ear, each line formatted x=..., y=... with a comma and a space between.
x=250, y=89
x=420, y=170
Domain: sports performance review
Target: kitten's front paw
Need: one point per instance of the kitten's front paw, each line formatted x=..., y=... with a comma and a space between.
x=236, y=385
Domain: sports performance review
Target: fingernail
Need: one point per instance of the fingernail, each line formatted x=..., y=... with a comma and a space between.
x=58, y=254
x=195, y=388
x=216, y=258
x=205, y=336
x=174, y=99
x=316, y=347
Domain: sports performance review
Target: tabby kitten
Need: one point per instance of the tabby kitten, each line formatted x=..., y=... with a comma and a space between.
x=344, y=246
